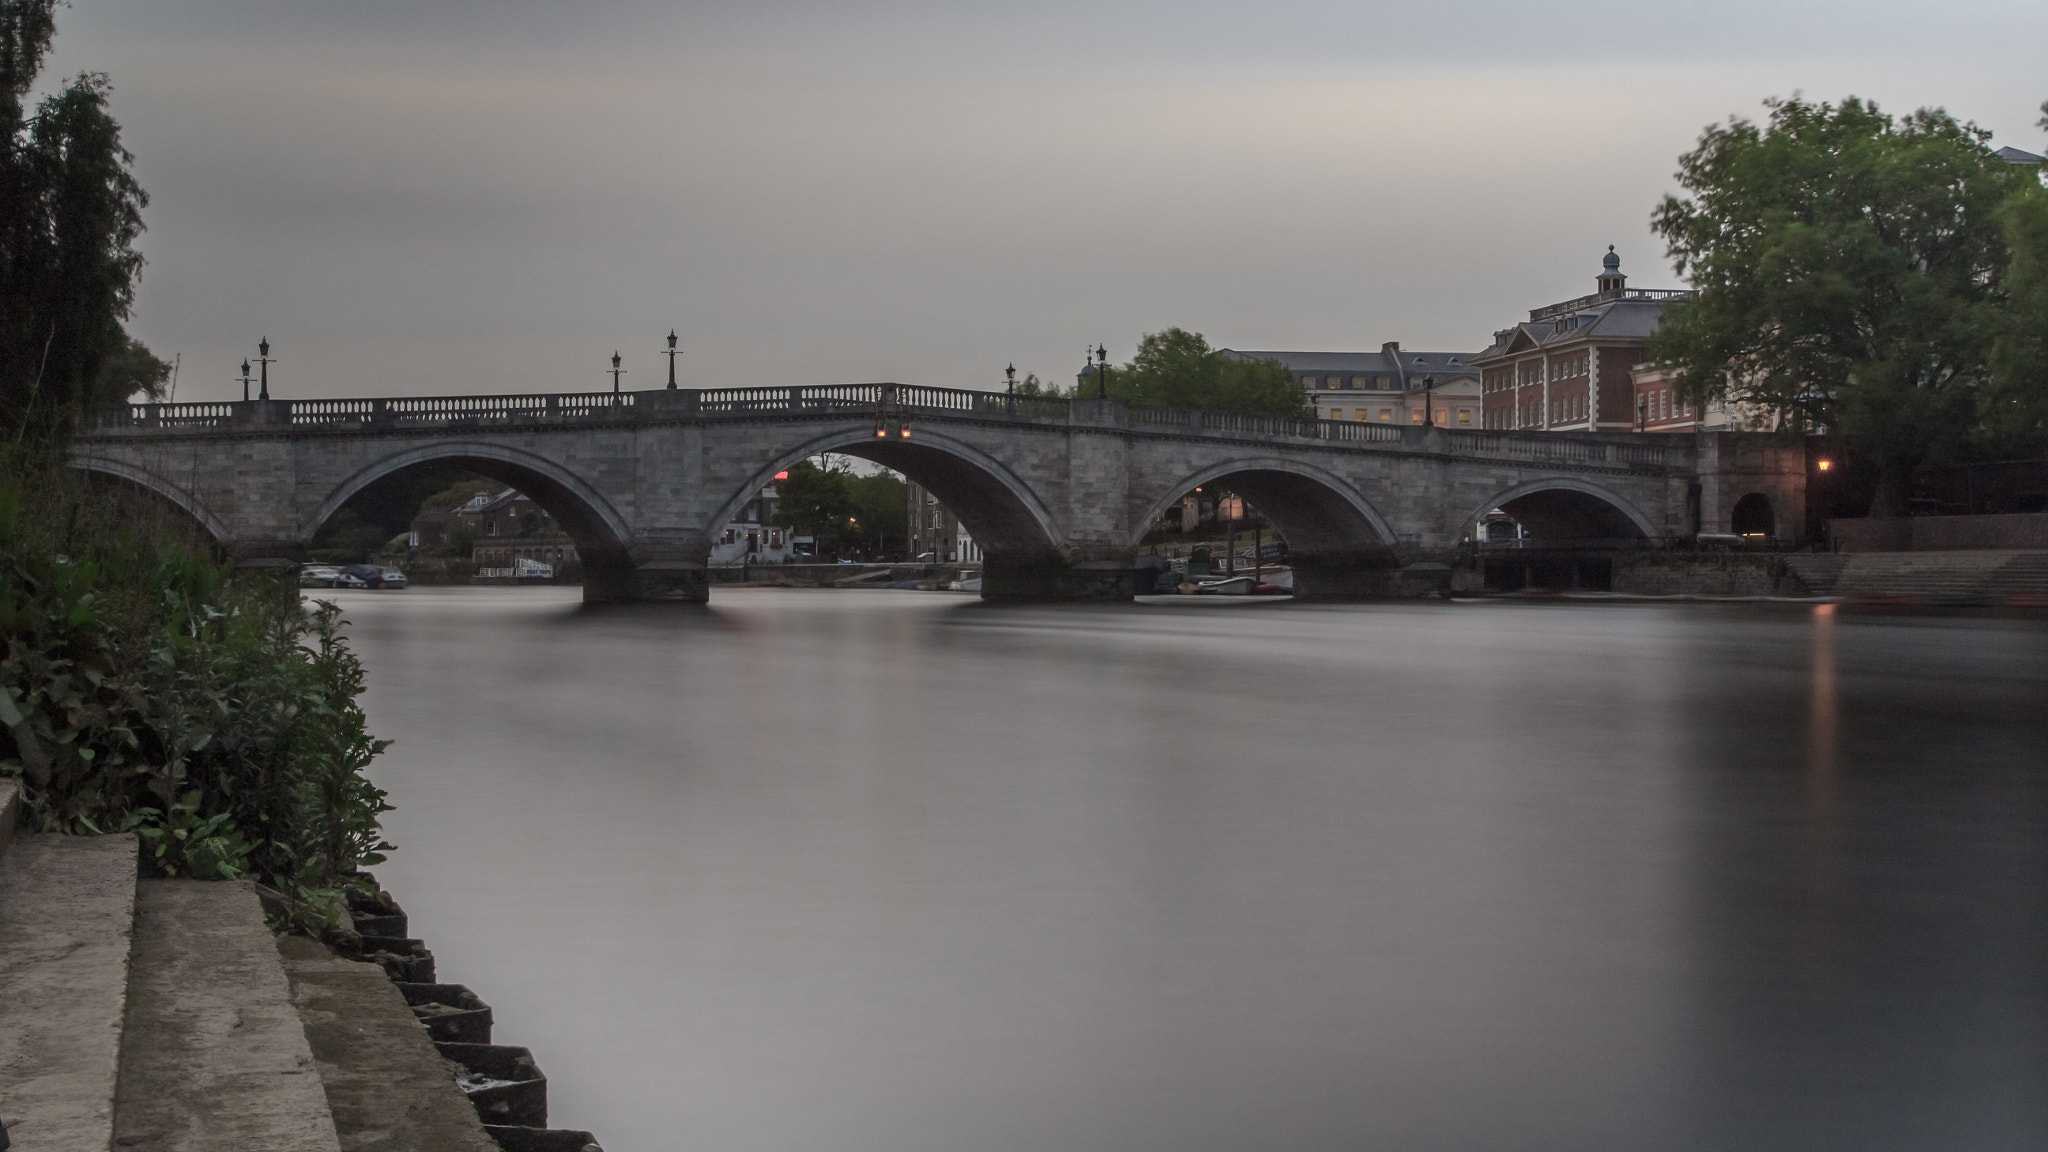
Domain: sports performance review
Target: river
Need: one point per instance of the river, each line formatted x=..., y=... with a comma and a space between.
x=878, y=871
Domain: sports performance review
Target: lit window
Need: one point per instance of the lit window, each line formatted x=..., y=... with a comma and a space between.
x=1358, y=381
x=1359, y=415
x=1387, y=415
x=1415, y=416
x=1336, y=413
x=1464, y=416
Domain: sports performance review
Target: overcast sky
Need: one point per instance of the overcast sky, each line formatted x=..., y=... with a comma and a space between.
x=449, y=196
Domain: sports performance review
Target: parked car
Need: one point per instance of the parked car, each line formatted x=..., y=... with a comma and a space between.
x=393, y=578
x=349, y=579
x=318, y=576
x=366, y=575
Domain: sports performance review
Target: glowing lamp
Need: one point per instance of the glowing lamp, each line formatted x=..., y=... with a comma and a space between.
x=1826, y=464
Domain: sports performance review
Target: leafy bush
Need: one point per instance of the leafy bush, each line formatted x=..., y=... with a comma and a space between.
x=145, y=686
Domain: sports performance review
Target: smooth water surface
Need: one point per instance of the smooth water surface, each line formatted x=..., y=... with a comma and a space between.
x=883, y=871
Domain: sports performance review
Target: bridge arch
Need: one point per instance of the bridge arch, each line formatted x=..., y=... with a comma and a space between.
x=1567, y=508
x=156, y=485
x=590, y=520
x=1313, y=509
x=1008, y=519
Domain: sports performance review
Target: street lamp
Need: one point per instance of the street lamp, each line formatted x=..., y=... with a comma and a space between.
x=245, y=381
x=616, y=373
x=263, y=358
x=672, y=354
x=1428, y=401
x=1101, y=372
x=1010, y=379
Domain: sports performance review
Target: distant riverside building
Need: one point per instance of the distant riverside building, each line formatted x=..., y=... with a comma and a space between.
x=506, y=526
x=934, y=528
x=1580, y=366
x=750, y=538
x=1390, y=386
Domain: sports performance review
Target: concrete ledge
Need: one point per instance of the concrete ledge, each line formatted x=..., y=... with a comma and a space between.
x=67, y=912
x=386, y=1086
x=213, y=1056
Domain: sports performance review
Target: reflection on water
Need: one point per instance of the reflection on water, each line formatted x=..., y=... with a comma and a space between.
x=869, y=871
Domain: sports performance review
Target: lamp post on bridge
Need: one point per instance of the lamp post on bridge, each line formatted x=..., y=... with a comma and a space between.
x=263, y=358
x=1101, y=372
x=672, y=354
x=1429, y=401
x=245, y=381
x=1010, y=380
x=616, y=373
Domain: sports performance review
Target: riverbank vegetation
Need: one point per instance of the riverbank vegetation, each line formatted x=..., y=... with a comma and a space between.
x=146, y=685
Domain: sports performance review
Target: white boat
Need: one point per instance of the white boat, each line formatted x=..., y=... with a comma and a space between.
x=1231, y=586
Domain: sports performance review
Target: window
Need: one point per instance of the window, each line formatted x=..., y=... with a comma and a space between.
x=1387, y=415
x=1358, y=382
x=1359, y=415
x=1415, y=416
x=1464, y=416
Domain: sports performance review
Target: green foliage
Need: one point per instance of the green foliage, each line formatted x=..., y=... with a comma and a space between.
x=1177, y=369
x=880, y=505
x=459, y=538
x=2019, y=358
x=149, y=688
x=1032, y=386
x=816, y=501
x=70, y=212
x=1850, y=272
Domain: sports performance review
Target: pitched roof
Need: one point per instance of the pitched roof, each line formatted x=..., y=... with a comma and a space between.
x=2015, y=156
x=1411, y=362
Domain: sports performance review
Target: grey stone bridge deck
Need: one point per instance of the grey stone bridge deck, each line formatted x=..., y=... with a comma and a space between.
x=1059, y=493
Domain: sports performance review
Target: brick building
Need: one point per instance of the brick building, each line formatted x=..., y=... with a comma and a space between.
x=1574, y=365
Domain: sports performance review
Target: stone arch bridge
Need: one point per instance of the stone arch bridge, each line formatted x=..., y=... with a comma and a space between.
x=1058, y=492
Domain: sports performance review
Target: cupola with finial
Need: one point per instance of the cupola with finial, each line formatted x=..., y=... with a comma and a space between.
x=1611, y=279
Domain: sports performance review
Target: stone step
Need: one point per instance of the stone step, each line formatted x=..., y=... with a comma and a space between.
x=67, y=914
x=387, y=1088
x=213, y=1056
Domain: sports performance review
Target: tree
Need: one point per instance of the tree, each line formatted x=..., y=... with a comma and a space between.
x=1850, y=270
x=880, y=505
x=816, y=502
x=1177, y=369
x=2019, y=360
x=70, y=211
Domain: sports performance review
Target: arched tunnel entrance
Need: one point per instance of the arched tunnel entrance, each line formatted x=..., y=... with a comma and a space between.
x=1556, y=536
x=496, y=512
x=1312, y=533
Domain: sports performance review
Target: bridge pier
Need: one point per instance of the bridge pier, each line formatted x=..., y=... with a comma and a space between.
x=1057, y=578
x=664, y=569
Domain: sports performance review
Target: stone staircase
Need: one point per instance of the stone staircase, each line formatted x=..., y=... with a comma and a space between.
x=163, y=1016
x=1976, y=578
